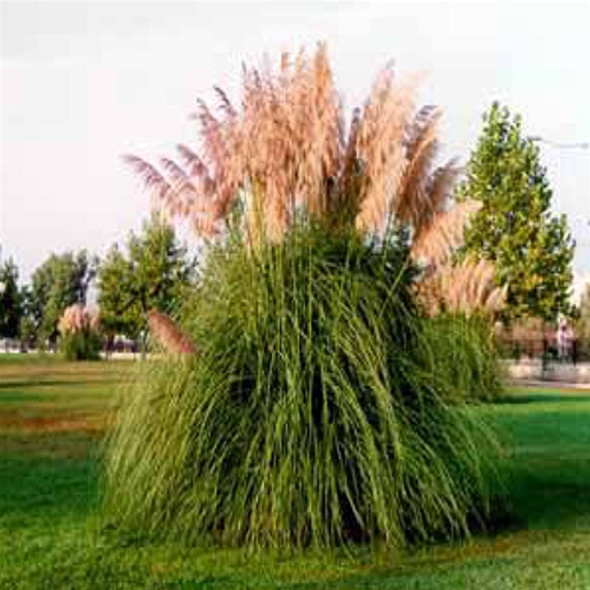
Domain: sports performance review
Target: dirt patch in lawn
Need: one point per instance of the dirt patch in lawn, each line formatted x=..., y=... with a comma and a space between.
x=88, y=423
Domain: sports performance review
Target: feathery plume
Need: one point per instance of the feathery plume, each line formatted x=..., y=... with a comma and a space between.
x=285, y=150
x=436, y=239
x=169, y=334
x=76, y=318
x=466, y=288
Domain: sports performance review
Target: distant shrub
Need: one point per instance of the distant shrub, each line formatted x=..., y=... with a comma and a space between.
x=79, y=337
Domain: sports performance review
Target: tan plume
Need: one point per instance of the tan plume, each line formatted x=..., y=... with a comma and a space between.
x=286, y=149
x=466, y=288
x=437, y=238
x=76, y=318
x=169, y=334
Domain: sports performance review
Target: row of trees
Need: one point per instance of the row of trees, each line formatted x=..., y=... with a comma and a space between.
x=151, y=272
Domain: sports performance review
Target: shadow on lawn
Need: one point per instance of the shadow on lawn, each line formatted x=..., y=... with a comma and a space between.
x=540, y=501
x=547, y=470
x=44, y=473
x=531, y=398
x=43, y=488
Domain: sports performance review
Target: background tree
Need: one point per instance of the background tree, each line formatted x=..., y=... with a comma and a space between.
x=532, y=250
x=115, y=298
x=10, y=300
x=583, y=319
x=28, y=327
x=152, y=275
x=61, y=281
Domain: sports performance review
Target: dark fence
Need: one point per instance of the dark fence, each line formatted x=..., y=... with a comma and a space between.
x=543, y=345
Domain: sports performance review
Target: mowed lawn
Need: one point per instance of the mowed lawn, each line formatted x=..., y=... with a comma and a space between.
x=52, y=418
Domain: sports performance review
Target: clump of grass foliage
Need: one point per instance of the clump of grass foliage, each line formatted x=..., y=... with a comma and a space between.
x=313, y=412
x=466, y=356
x=315, y=391
x=84, y=345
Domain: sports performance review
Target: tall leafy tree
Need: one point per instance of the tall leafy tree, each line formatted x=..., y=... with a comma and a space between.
x=152, y=275
x=115, y=297
x=59, y=282
x=10, y=300
x=531, y=248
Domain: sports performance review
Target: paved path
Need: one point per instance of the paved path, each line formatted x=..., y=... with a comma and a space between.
x=548, y=383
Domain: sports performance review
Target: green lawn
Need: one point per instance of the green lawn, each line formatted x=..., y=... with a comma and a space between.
x=52, y=416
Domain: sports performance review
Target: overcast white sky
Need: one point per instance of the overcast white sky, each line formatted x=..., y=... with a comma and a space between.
x=83, y=83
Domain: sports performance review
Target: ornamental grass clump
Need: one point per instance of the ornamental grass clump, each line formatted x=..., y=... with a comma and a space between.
x=301, y=401
x=79, y=336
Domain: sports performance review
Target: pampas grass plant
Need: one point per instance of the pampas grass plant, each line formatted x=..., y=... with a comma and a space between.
x=79, y=336
x=307, y=405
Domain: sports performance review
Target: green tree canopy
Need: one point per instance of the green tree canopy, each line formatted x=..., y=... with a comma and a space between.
x=531, y=248
x=115, y=295
x=59, y=282
x=152, y=275
x=10, y=300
